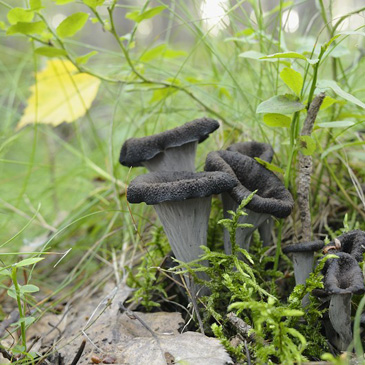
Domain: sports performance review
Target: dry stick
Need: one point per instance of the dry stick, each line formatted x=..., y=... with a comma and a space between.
x=305, y=171
x=242, y=327
x=79, y=353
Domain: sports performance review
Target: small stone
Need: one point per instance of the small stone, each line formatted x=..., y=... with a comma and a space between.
x=95, y=359
x=109, y=360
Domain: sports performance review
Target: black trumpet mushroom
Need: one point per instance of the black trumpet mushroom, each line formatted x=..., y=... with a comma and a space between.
x=342, y=278
x=253, y=149
x=271, y=198
x=265, y=152
x=303, y=253
x=182, y=200
x=172, y=150
x=352, y=242
x=303, y=261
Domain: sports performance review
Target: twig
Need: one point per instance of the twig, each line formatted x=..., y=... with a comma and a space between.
x=247, y=354
x=6, y=354
x=132, y=315
x=242, y=327
x=14, y=316
x=79, y=353
x=305, y=171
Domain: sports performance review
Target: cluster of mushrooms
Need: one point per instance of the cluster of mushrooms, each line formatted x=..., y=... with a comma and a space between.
x=182, y=199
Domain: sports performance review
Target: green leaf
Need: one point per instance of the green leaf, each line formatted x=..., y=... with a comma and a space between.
x=307, y=145
x=282, y=104
x=72, y=24
x=292, y=79
x=328, y=101
x=341, y=146
x=17, y=15
x=27, y=321
x=161, y=51
x=137, y=16
x=336, y=124
x=269, y=165
x=50, y=52
x=291, y=312
x=277, y=120
x=85, y=58
x=2, y=25
x=27, y=28
x=11, y=292
x=30, y=261
x=162, y=93
x=330, y=84
x=62, y=2
x=93, y=3
x=252, y=55
x=29, y=288
x=35, y=4
x=5, y=272
x=294, y=55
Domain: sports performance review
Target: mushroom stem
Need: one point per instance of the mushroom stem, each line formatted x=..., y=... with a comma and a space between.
x=265, y=230
x=340, y=317
x=303, y=266
x=243, y=235
x=186, y=226
x=180, y=158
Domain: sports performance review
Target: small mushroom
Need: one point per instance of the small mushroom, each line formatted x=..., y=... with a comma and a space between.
x=265, y=152
x=303, y=253
x=182, y=200
x=172, y=150
x=342, y=279
x=272, y=198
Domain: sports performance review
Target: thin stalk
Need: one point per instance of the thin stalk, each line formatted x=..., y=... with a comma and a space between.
x=20, y=308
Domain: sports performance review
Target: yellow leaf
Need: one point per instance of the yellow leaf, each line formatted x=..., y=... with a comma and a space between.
x=61, y=94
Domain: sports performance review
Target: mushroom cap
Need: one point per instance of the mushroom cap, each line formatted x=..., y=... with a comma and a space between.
x=253, y=149
x=343, y=275
x=272, y=197
x=353, y=243
x=137, y=150
x=310, y=246
x=163, y=186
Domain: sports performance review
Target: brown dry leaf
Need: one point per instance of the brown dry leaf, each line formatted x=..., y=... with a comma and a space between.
x=61, y=94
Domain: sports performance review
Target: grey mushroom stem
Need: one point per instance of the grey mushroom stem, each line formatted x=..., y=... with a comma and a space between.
x=186, y=226
x=265, y=231
x=243, y=235
x=303, y=266
x=340, y=317
x=180, y=158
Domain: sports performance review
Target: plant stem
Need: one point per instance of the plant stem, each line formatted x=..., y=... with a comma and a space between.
x=20, y=308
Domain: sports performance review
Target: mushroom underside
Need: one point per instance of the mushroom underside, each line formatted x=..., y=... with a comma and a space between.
x=180, y=158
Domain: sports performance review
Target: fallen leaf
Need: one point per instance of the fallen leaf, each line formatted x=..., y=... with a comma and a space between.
x=61, y=94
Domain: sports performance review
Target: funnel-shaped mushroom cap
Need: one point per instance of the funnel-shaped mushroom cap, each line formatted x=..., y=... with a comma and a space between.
x=271, y=198
x=163, y=186
x=353, y=243
x=304, y=247
x=253, y=149
x=343, y=275
x=136, y=151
